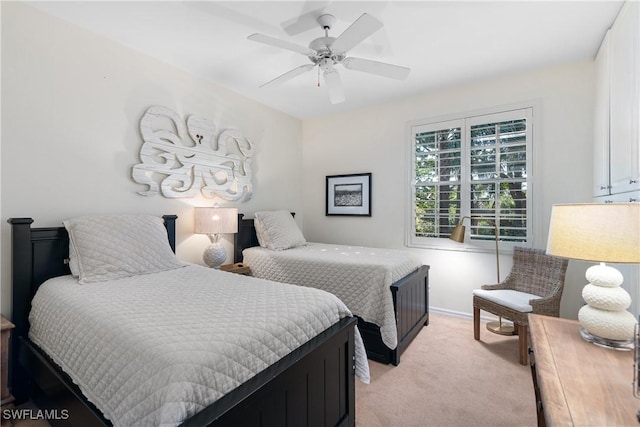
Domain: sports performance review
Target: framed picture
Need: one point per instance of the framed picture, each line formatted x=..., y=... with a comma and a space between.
x=349, y=194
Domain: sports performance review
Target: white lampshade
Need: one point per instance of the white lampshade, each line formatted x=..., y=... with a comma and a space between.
x=599, y=232
x=216, y=220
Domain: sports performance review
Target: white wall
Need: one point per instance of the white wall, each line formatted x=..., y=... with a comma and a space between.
x=71, y=105
x=374, y=140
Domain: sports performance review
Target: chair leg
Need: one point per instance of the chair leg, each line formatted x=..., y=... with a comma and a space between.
x=522, y=341
x=476, y=323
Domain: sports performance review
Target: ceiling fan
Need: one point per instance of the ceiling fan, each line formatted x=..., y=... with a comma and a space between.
x=326, y=52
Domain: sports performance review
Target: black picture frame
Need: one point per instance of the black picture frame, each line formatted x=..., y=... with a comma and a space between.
x=348, y=195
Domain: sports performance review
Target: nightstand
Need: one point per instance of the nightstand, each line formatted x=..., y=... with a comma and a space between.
x=5, y=328
x=238, y=268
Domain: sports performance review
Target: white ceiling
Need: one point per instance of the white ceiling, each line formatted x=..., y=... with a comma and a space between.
x=445, y=43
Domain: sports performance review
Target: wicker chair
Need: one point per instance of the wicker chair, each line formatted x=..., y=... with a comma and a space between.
x=538, y=281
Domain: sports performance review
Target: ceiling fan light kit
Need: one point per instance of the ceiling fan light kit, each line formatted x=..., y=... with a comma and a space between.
x=326, y=52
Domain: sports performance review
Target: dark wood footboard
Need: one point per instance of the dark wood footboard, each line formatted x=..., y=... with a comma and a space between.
x=411, y=304
x=411, y=300
x=313, y=383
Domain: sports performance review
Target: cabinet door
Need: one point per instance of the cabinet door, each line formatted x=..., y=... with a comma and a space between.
x=601, y=122
x=630, y=272
x=624, y=53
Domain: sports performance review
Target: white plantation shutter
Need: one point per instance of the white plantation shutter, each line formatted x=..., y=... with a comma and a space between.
x=438, y=173
x=474, y=166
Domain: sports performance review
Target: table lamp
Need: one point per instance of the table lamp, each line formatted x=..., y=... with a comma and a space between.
x=458, y=235
x=214, y=222
x=600, y=232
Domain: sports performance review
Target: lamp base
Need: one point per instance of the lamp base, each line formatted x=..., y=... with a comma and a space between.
x=604, y=321
x=622, y=345
x=214, y=255
x=501, y=328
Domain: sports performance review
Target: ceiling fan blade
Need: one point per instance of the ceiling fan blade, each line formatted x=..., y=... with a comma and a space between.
x=375, y=67
x=336, y=91
x=288, y=75
x=362, y=28
x=272, y=41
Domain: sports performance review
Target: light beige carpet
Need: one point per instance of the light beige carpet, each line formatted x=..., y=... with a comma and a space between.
x=446, y=378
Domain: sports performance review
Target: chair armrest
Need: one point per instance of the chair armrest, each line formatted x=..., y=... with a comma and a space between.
x=505, y=284
x=550, y=304
x=494, y=287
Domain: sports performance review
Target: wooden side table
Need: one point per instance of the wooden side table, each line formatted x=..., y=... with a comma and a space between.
x=7, y=398
x=238, y=268
x=578, y=383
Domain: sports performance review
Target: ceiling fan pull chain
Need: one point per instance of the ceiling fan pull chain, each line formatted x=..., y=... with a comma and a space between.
x=318, y=76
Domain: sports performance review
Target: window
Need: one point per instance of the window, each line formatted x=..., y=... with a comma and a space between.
x=476, y=167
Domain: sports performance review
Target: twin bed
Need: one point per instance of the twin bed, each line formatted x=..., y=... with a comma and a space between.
x=388, y=290
x=134, y=337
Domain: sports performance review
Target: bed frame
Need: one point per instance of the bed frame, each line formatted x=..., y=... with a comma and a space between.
x=410, y=302
x=312, y=385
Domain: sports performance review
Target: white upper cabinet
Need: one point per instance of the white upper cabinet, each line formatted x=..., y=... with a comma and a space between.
x=617, y=140
x=625, y=99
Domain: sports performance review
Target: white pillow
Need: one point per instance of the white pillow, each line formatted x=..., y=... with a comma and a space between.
x=73, y=260
x=277, y=230
x=117, y=246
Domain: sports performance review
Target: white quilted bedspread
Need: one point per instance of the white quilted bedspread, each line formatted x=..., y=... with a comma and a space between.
x=359, y=276
x=155, y=349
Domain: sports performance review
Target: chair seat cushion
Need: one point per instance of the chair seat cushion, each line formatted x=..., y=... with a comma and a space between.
x=515, y=300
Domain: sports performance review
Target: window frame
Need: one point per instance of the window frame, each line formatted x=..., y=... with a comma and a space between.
x=468, y=119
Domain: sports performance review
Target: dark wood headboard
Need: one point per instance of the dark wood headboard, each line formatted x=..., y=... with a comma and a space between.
x=245, y=237
x=39, y=254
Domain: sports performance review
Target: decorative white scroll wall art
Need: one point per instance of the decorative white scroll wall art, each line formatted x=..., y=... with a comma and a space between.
x=180, y=161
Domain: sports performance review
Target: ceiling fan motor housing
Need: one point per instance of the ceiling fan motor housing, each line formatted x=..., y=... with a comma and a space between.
x=322, y=47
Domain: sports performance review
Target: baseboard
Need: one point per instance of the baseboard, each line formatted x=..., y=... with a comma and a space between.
x=461, y=314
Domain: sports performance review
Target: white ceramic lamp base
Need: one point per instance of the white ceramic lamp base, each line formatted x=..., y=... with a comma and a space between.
x=214, y=255
x=604, y=319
